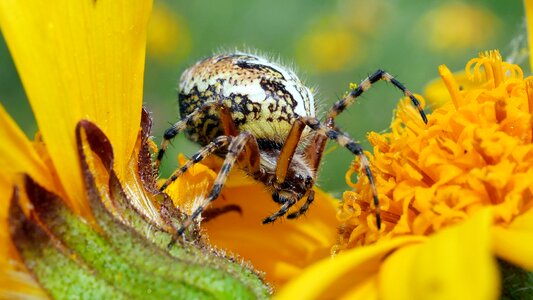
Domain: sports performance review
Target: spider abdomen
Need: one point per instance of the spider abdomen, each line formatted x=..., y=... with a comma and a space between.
x=262, y=97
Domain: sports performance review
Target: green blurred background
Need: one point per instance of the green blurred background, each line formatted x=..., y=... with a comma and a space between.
x=328, y=43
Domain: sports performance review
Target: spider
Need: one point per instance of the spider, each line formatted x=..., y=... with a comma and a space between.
x=257, y=115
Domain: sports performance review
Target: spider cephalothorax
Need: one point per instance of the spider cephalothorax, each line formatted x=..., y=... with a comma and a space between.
x=259, y=116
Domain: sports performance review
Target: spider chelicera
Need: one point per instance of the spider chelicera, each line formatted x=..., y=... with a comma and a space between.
x=259, y=116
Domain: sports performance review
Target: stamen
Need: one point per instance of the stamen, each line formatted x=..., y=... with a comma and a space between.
x=451, y=85
x=495, y=60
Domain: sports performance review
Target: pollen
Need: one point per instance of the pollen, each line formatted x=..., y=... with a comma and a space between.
x=476, y=151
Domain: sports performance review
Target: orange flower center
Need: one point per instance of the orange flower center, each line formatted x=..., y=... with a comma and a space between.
x=476, y=151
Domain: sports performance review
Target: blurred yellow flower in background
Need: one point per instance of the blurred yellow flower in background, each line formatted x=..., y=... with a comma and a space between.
x=364, y=17
x=168, y=35
x=329, y=46
x=455, y=26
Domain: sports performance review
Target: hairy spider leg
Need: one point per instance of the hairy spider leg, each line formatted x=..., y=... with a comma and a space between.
x=225, y=118
x=216, y=144
x=287, y=151
x=176, y=128
x=346, y=142
x=236, y=147
x=303, y=208
x=249, y=159
x=281, y=212
x=315, y=149
x=342, y=104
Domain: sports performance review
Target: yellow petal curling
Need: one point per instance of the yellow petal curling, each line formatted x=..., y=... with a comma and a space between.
x=329, y=278
x=510, y=243
x=18, y=156
x=455, y=263
x=85, y=67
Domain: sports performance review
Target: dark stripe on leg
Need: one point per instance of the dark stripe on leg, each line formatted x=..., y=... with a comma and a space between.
x=235, y=148
x=304, y=207
x=178, y=127
x=282, y=211
x=218, y=143
x=356, y=149
x=342, y=104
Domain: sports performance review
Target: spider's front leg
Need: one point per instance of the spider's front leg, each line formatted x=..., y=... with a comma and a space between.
x=242, y=141
x=365, y=85
x=225, y=119
x=218, y=143
x=323, y=133
x=303, y=208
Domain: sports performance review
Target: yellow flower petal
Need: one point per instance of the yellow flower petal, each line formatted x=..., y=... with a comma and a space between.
x=196, y=181
x=283, y=249
x=15, y=283
x=366, y=290
x=331, y=277
x=515, y=243
x=6, y=191
x=455, y=263
x=17, y=154
x=85, y=67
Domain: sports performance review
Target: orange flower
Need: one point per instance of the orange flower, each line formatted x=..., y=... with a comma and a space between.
x=475, y=152
x=454, y=195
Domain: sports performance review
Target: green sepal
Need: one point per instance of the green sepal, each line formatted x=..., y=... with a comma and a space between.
x=123, y=254
x=517, y=283
x=56, y=268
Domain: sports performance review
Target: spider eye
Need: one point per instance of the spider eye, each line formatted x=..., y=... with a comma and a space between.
x=309, y=182
x=298, y=177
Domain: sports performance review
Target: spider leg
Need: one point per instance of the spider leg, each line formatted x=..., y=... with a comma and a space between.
x=225, y=119
x=216, y=144
x=250, y=158
x=354, y=147
x=342, y=104
x=235, y=148
x=282, y=211
x=178, y=127
x=289, y=147
x=278, y=199
x=304, y=207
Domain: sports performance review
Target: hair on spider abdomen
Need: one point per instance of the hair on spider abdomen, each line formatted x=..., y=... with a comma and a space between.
x=258, y=116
